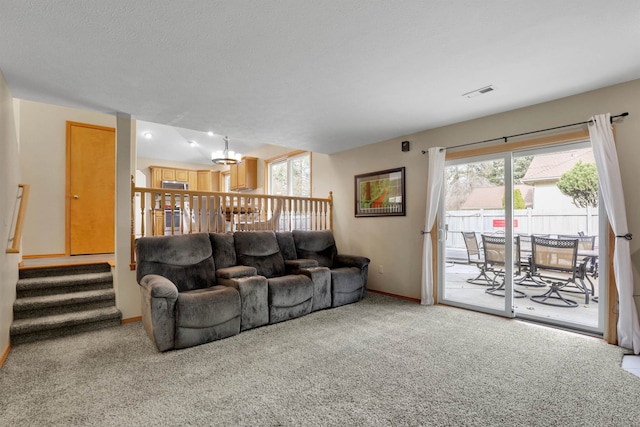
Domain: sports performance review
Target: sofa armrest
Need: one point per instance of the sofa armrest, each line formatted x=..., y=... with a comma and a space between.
x=159, y=296
x=351, y=261
x=236, y=271
x=159, y=287
x=254, y=299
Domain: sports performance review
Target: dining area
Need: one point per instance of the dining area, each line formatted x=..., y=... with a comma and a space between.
x=559, y=270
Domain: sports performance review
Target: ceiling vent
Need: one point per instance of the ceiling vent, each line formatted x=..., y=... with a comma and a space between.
x=479, y=92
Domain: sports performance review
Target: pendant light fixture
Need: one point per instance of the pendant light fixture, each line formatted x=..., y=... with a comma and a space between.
x=226, y=157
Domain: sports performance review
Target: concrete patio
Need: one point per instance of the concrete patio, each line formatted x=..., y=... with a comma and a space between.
x=457, y=289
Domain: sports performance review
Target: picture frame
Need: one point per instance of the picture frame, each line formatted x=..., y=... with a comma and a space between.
x=380, y=193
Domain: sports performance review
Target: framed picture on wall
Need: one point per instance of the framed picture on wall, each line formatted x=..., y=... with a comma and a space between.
x=380, y=193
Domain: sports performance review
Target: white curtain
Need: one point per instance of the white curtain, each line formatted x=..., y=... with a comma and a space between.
x=610, y=182
x=434, y=189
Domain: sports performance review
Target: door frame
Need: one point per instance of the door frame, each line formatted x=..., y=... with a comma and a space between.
x=611, y=312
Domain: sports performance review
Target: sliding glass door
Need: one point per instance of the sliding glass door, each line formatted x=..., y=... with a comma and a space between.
x=521, y=234
x=476, y=260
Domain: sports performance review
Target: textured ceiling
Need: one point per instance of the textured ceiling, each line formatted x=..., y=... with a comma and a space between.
x=323, y=75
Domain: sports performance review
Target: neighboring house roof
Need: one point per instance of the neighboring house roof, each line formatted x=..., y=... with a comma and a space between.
x=550, y=167
x=491, y=197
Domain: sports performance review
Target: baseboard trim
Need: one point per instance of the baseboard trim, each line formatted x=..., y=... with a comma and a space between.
x=131, y=320
x=5, y=355
x=395, y=295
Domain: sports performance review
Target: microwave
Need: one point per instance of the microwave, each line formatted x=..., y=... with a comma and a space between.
x=175, y=185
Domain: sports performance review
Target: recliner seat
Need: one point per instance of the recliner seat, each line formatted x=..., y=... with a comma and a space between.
x=290, y=295
x=348, y=272
x=182, y=304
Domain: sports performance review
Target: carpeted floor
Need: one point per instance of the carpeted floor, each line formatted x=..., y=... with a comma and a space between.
x=383, y=361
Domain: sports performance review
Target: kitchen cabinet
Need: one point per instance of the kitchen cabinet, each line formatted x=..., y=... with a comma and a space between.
x=204, y=181
x=216, y=181
x=200, y=180
x=159, y=223
x=192, y=179
x=168, y=174
x=156, y=176
x=159, y=174
x=182, y=175
x=208, y=180
x=244, y=175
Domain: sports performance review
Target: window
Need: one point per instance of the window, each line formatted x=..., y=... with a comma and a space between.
x=291, y=175
x=226, y=181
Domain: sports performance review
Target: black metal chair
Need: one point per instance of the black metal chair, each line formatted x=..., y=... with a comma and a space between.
x=494, y=248
x=475, y=256
x=555, y=261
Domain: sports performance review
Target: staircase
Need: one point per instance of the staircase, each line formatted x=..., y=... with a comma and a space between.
x=57, y=301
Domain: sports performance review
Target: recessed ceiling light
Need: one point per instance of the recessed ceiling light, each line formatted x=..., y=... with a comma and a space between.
x=193, y=144
x=479, y=92
x=210, y=133
x=147, y=135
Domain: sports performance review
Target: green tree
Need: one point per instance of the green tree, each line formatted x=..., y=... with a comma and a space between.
x=495, y=171
x=518, y=200
x=581, y=184
x=460, y=180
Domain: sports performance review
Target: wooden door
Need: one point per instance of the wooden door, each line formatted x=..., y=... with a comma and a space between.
x=91, y=170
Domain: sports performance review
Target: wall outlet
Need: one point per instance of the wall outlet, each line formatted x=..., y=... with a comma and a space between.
x=380, y=269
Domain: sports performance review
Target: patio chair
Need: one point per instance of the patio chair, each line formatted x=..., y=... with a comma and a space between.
x=555, y=261
x=586, y=246
x=528, y=279
x=475, y=256
x=494, y=248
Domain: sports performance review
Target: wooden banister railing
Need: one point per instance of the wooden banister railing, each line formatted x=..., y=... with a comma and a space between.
x=161, y=211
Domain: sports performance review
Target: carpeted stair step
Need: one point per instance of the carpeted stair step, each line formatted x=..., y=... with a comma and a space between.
x=51, y=285
x=28, y=330
x=63, y=270
x=48, y=305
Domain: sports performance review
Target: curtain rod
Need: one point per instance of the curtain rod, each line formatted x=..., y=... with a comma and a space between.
x=625, y=114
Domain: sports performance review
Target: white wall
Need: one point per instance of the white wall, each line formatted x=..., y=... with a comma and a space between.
x=43, y=142
x=396, y=243
x=547, y=195
x=9, y=180
x=126, y=287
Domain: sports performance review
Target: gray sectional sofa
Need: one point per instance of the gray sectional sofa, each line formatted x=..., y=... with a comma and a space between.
x=201, y=287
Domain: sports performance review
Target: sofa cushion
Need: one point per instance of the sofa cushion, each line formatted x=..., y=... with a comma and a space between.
x=290, y=290
x=287, y=245
x=346, y=279
x=202, y=308
x=318, y=245
x=259, y=249
x=186, y=260
x=224, y=250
